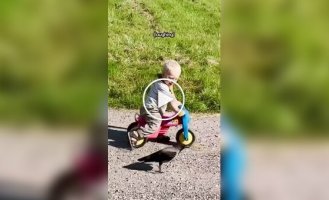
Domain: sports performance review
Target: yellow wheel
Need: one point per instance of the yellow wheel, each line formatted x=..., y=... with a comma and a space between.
x=181, y=140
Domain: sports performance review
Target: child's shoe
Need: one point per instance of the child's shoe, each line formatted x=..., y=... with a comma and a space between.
x=135, y=136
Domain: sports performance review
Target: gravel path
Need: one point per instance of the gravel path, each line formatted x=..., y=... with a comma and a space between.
x=193, y=174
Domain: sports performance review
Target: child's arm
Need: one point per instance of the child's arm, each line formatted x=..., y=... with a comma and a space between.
x=175, y=103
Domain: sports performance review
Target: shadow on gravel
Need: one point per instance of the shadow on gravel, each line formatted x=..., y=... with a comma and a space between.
x=117, y=138
x=139, y=166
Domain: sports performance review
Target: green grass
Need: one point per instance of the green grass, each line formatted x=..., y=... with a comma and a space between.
x=135, y=56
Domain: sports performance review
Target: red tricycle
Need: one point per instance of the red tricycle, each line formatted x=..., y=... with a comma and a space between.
x=184, y=137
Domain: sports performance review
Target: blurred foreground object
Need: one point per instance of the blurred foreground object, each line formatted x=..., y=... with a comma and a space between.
x=32, y=158
x=52, y=80
x=287, y=170
x=52, y=60
x=275, y=58
x=87, y=177
x=232, y=162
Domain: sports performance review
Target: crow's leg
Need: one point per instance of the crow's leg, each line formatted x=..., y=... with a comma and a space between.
x=160, y=163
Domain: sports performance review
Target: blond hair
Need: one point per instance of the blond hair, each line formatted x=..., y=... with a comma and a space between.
x=171, y=66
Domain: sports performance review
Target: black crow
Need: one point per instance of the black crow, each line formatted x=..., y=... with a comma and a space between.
x=162, y=156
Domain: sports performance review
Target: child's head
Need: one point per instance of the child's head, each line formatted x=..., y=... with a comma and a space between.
x=171, y=70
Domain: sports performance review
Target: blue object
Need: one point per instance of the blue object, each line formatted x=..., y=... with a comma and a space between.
x=232, y=162
x=185, y=122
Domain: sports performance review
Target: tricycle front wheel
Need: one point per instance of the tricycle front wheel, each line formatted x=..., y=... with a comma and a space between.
x=181, y=140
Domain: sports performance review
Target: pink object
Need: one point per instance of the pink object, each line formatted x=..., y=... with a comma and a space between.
x=165, y=125
x=91, y=166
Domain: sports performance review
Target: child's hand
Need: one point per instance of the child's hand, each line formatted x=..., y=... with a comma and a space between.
x=181, y=113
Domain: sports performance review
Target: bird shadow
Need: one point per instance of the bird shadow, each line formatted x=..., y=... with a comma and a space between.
x=139, y=166
x=117, y=138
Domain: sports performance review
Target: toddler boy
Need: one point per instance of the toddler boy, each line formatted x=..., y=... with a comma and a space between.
x=171, y=70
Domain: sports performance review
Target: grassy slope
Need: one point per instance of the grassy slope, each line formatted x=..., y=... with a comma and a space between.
x=135, y=57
